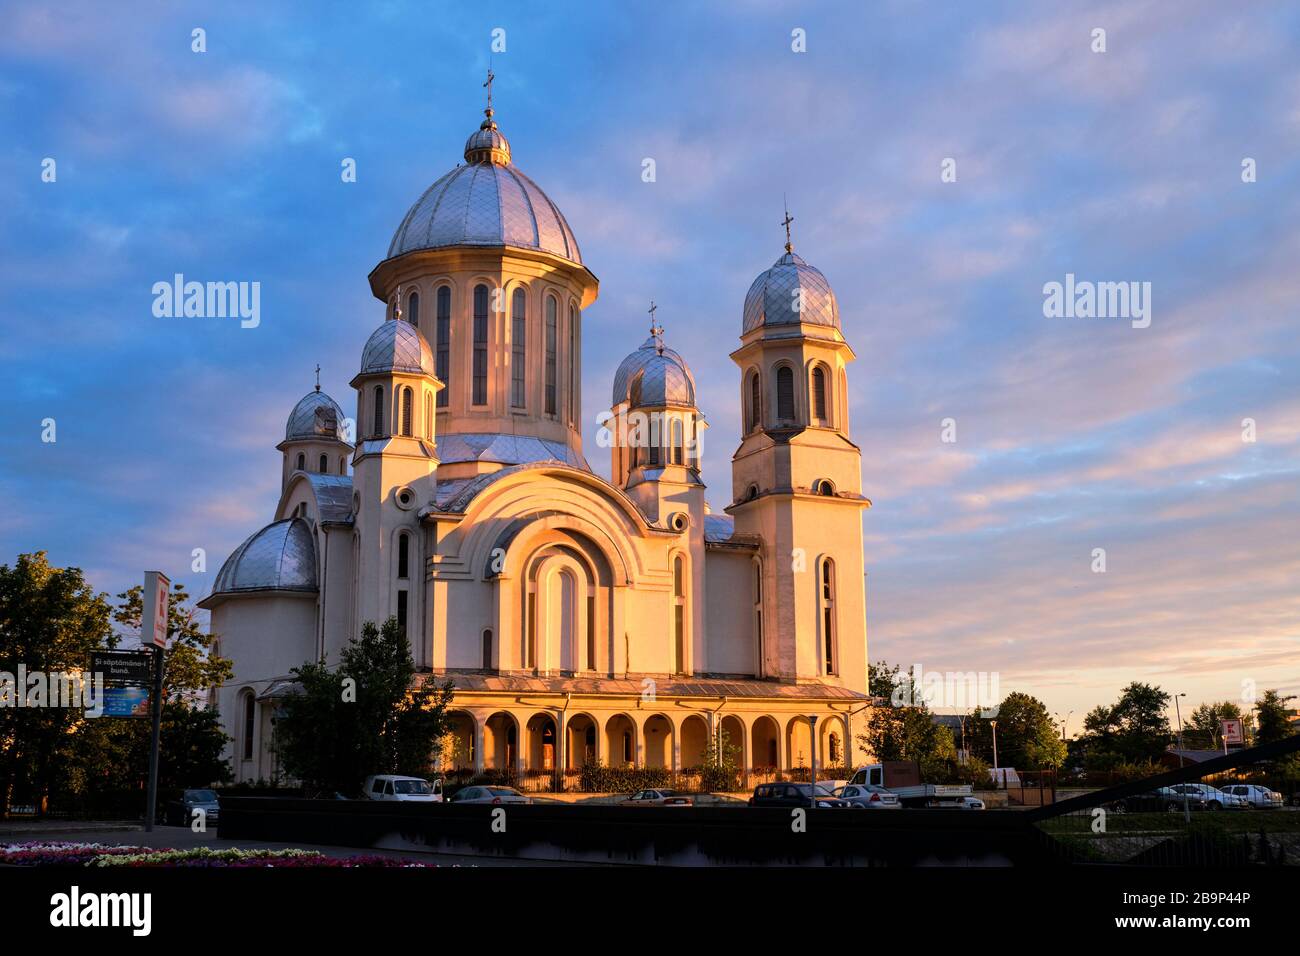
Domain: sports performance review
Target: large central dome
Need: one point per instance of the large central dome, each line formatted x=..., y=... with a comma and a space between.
x=487, y=202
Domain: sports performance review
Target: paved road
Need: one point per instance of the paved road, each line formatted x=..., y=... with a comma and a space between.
x=184, y=838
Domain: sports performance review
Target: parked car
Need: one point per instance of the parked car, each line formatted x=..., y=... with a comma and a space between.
x=1215, y=799
x=869, y=798
x=794, y=795
x=1261, y=798
x=493, y=795
x=968, y=803
x=1155, y=800
x=402, y=789
x=660, y=797
x=181, y=812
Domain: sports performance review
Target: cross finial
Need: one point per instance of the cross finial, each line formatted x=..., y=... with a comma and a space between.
x=318, y=376
x=789, y=246
x=488, y=85
x=656, y=330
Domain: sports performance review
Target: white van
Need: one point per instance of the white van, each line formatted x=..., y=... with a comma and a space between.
x=389, y=786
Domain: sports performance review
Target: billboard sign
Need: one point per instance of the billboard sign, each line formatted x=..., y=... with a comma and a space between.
x=153, y=620
x=126, y=702
x=1232, y=731
x=121, y=667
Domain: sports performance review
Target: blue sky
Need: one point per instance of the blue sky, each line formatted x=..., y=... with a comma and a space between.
x=1072, y=434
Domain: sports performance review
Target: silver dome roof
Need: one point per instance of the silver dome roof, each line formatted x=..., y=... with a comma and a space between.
x=316, y=416
x=654, y=375
x=397, y=346
x=280, y=557
x=771, y=299
x=487, y=202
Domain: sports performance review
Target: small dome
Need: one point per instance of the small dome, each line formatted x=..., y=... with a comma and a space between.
x=654, y=375
x=487, y=202
x=280, y=557
x=316, y=416
x=397, y=346
x=771, y=299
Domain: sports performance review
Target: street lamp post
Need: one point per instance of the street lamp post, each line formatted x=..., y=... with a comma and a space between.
x=994, y=725
x=812, y=775
x=1187, y=810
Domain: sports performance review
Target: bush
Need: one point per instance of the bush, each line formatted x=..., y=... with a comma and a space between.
x=597, y=778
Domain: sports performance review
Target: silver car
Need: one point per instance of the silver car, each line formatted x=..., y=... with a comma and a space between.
x=489, y=794
x=866, y=797
x=1261, y=798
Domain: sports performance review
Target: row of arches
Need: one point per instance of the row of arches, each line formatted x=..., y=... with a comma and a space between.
x=533, y=343
x=322, y=464
x=814, y=398
x=551, y=740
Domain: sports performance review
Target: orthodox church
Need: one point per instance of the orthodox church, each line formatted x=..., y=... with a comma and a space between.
x=579, y=619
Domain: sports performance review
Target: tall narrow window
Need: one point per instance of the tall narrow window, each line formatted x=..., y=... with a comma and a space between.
x=550, y=354
x=785, y=393
x=442, y=358
x=480, y=344
x=250, y=721
x=679, y=615
x=343, y=466
x=378, y=430
x=819, y=393
x=413, y=309
x=573, y=365
x=408, y=410
x=678, y=444
x=518, y=348
x=654, y=447
x=487, y=649
x=401, y=611
x=428, y=415
x=828, y=614
x=591, y=632
x=324, y=464
x=758, y=614
x=302, y=462
x=403, y=556
x=755, y=403
x=530, y=633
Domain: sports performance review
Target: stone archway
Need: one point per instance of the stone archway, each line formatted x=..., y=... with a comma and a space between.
x=458, y=743
x=582, y=746
x=658, y=733
x=798, y=747
x=765, y=744
x=541, y=750
x=500, y=742
x=620, y=741
x=695, y=741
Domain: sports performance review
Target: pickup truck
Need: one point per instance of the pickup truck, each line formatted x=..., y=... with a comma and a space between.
x=903, y=779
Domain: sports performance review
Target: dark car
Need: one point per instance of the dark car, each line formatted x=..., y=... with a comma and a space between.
x=1166, y=798
x=794, y=795
x=181, y=812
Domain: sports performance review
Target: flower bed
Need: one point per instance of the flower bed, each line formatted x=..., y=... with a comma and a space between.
x=101, y=855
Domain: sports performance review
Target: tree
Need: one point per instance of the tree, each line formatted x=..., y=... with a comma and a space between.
x=1134, y=730
x=892, y=684
x=370, y=715
x=910, y=733
x=1027, y=737
x=1203, y=731
x=50, y=621
x=191, y=664
x=1273, y=718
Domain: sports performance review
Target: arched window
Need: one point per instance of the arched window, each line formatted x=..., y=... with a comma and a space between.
x=343, y=465
x=324, y=464
x=819, y=394
x=834, y=743
x=678, y=443
x=403, y=556
x=408, y=411
x=550, y=354
x=679, y=615
x=756, y=599
x=518, y=348
x=479, y=396
x=654, y=447
x=302, y=462
x=378, y=430
x=591, y=632
x=828, y=614
x=487, y=649
x=573, y=365
x=413, y=309
x=755, y=405
x=823, y=487
x=785, y=394
x=751, y=492
x=442, y=356
x=250, y=723
x=428, y=415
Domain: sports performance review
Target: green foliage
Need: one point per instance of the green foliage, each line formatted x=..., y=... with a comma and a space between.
x=720, y=770
x=1202, y=730
x=191, y=664
x=369, y=715
x=1027, y=737
x=1272, y=718
x=910, y=733
x=1134, y=730
x=597, y=778
x=974, y=772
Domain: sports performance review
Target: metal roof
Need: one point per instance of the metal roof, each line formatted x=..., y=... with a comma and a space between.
x=506, y=449
x=773, y=296
x=397, y=346
x=280, y=557
x=316, y=416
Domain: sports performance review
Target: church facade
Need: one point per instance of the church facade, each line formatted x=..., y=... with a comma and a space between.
x=580, y=619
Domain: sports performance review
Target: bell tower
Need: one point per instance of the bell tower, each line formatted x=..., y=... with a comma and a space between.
x=797, y=477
